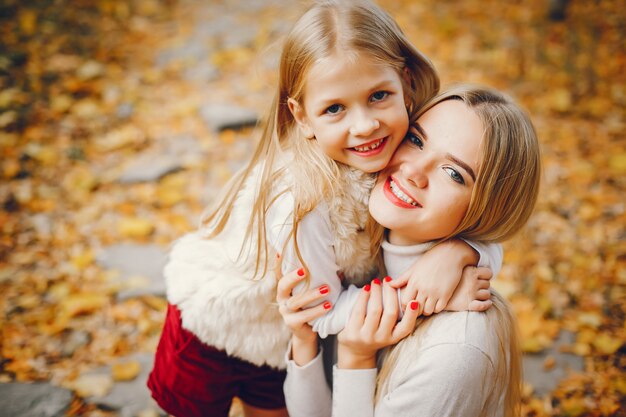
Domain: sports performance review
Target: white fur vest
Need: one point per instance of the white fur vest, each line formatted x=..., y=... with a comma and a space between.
x=225, y=308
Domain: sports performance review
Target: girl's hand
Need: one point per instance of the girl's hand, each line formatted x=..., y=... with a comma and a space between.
x=433, y=278
x=373, y=325
x=473, y=291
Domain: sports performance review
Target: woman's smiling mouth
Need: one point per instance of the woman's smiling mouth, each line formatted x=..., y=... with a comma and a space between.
x=397, y=196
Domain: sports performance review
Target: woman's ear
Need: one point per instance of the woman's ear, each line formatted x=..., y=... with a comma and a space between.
x=300, y=117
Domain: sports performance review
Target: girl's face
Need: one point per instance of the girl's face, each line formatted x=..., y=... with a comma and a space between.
x=425, y=190
x=355, y=109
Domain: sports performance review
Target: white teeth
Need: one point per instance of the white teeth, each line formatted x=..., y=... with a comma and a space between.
x=398, y=193
x=370, y=146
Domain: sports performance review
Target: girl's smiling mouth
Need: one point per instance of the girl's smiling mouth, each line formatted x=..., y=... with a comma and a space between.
x=397, y=196
x=370, y=148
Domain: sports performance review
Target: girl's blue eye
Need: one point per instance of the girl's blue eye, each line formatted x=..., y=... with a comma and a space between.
x=455, y=175
x=380, y=95
x=414, y=139
x=334, y=109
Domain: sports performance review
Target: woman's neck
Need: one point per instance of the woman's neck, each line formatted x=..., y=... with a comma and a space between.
x=399, y=240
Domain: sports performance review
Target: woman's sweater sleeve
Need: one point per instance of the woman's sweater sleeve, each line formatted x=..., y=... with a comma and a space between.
x=306, y=392
x=444, y=380
x=353, y=392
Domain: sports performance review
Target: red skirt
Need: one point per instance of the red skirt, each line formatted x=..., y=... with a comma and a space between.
x=192, y=379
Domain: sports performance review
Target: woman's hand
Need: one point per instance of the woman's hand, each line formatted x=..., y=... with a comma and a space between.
x=373, y=325
x=304, y=339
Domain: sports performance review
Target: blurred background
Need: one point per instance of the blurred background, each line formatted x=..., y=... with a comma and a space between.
x=121, y=120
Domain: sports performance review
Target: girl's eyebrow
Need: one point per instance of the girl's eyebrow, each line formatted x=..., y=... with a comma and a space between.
x=449, y=156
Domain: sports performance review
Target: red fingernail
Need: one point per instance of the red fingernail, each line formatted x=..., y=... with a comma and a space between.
x=387, y=278
x=414, y=305
x=324, y=289
x=301, y=272
x=327, y=305
x=376, y=281
x=367, y=288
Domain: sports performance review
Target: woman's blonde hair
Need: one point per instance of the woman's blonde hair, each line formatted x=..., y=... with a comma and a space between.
x=507, y=182
x=329, y=27
x=503, y=198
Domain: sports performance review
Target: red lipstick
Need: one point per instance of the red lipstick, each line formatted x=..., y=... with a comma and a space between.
x=394, y=199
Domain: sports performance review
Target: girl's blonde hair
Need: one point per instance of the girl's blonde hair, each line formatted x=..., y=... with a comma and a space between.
x=503, y=198
x=329, y=27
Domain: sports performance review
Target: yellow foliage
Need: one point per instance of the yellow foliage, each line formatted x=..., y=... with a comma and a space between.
x=125, y=371
x=134, y=227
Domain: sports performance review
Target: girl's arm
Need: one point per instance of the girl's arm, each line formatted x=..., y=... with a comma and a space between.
x=433, y=279
x=315, y=239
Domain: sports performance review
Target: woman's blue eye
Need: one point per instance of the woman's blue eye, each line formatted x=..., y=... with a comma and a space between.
x=334, y=109
x=455, y=175
x=415, y=140
x=379, y=95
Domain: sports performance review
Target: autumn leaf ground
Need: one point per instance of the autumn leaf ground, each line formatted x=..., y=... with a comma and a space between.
x=81, y=96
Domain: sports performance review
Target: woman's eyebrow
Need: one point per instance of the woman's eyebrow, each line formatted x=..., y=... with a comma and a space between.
x=449, y=156
x=420, y=130
x=463, y=165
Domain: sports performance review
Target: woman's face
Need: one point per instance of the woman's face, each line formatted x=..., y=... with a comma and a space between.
x=425, y=190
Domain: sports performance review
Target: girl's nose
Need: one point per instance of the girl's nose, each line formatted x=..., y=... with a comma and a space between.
x=364, y=125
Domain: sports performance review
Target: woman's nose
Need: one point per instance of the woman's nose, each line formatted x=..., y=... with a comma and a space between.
x=416, y=172
x=364, y=124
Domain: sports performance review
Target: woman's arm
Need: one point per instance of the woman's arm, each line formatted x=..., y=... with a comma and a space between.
x=372, y=325
x=447, y=377
x=306, y=391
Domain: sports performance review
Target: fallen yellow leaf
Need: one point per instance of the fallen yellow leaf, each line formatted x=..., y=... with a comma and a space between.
x=92, y=385
x=125, y=371
x=135, y=227
x=606, y=344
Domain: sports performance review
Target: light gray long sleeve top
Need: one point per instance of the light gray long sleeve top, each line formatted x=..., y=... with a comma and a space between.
x=453, y=372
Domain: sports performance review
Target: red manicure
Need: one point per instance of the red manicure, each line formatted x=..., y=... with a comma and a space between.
x=301, y=272
x=324, y=289
x=376, y=281
x=414, y=305
x=387, y=278
x=327, y=305
x=367, y=288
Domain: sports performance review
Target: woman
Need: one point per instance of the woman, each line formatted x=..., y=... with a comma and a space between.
x=470, y=169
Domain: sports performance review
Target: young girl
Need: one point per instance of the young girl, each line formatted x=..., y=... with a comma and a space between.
x=348, y=78
x=469, y=167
